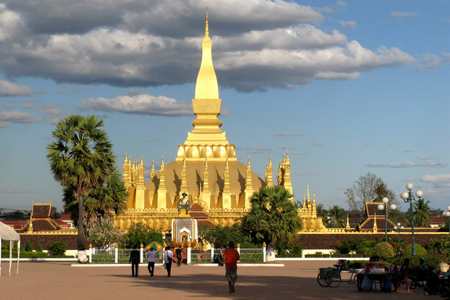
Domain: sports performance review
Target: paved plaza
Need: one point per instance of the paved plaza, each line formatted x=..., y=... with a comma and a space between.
x=294, y=280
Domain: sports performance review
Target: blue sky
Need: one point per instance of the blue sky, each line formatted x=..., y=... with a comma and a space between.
x=347, y=87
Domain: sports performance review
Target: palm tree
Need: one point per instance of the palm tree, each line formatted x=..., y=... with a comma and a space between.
x=421, y=213
x=273, y=216
x=81, y=159
x=320, y=210
x=336, y=215
x=100, y=205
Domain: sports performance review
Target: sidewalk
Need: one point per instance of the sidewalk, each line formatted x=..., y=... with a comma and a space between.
x=296, y=280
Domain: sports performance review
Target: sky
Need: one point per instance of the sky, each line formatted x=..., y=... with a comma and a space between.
x=345, y=87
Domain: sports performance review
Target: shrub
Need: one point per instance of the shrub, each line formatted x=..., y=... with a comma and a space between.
x=29, y=246
x=139, y=233
x=383, y=250
x=364, y=247
x=286, y=249
x=38, y=247
x=420, y=251
x=57, y=248
x=347, y=246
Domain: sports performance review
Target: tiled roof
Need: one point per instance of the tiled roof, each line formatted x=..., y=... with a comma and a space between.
x=43, y=225
x=41, y=210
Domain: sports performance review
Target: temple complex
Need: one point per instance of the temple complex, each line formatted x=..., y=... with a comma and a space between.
x=219, y=187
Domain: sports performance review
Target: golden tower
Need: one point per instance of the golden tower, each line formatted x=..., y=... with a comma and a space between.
x=206, y=168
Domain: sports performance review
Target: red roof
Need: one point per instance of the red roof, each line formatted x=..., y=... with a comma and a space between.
x=66, y=217
x=437, y=220
x=16, y=225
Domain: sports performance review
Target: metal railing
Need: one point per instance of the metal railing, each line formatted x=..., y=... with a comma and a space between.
x=197, y=256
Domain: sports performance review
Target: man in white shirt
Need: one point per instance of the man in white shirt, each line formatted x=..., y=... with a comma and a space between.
x=168, y=257
x=151, y=254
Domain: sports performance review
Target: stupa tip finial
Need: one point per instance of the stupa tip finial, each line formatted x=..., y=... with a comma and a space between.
x=206, y=24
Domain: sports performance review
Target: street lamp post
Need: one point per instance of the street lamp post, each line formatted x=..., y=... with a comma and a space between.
x=398, y=228
x=447, y=214
x=386, y=208
x=409, y=197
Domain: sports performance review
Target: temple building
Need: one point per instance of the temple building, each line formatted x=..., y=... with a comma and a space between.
x=219, y=187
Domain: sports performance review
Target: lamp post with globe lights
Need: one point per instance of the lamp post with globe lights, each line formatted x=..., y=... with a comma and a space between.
x=398, y=228
x=409, y=197
x=386, y=208
x=447, y=214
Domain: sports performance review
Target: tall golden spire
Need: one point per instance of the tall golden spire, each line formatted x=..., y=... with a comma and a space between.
x=207, y=86
x=206, y=140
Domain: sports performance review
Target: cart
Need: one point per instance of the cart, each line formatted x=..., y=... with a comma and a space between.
x=331, y=277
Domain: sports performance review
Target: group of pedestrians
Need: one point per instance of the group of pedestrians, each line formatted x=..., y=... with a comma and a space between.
x=168, y=258
x=230, y=258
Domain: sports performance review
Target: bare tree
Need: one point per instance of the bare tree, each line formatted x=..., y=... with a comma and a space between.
x=362, y=191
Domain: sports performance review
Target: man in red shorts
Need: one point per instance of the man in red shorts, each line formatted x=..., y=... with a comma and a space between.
x=231, y=257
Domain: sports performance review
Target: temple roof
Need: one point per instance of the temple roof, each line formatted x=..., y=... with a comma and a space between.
x=41, y=210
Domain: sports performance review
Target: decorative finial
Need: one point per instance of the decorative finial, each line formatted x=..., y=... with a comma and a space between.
x=206, y=24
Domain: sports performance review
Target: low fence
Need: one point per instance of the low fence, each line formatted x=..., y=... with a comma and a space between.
x=193, y=256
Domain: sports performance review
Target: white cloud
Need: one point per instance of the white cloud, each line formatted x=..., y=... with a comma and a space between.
x=408, y=164
x=10, y=23
x=348, y=25
x=436, y=178
x=404, y=14
x=285, y=134
x=256, y=150
x=439, y=180
x=16, y=117
x=8, y=89
x=263, y=44
x=426, y=157
x=433, y=60
x=7, y=105
x=141, y=104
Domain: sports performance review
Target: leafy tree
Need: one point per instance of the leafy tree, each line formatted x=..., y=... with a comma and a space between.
x=17, y=215
x=421, y=213
x=336, y=216
x=320, y=210
x=362, y=191
x=101, y=204
x=273, y=216
x=139, y=233
x=348, y=245
x=365, y=247
x=287, y=249
x=220, y=236
x=104, y=235
x=382, y=190
x=80, y=159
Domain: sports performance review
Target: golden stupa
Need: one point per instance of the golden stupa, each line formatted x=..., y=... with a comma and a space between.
x=219, y=187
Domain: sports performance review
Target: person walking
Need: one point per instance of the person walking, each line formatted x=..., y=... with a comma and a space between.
x=134, y=260
x=179, y=256
x=151, y=255
x=231, y=257
x=168, y=257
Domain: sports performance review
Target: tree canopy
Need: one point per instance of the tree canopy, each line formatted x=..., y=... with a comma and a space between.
x=273, y=216
x=367, y=188
x=81, y=159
